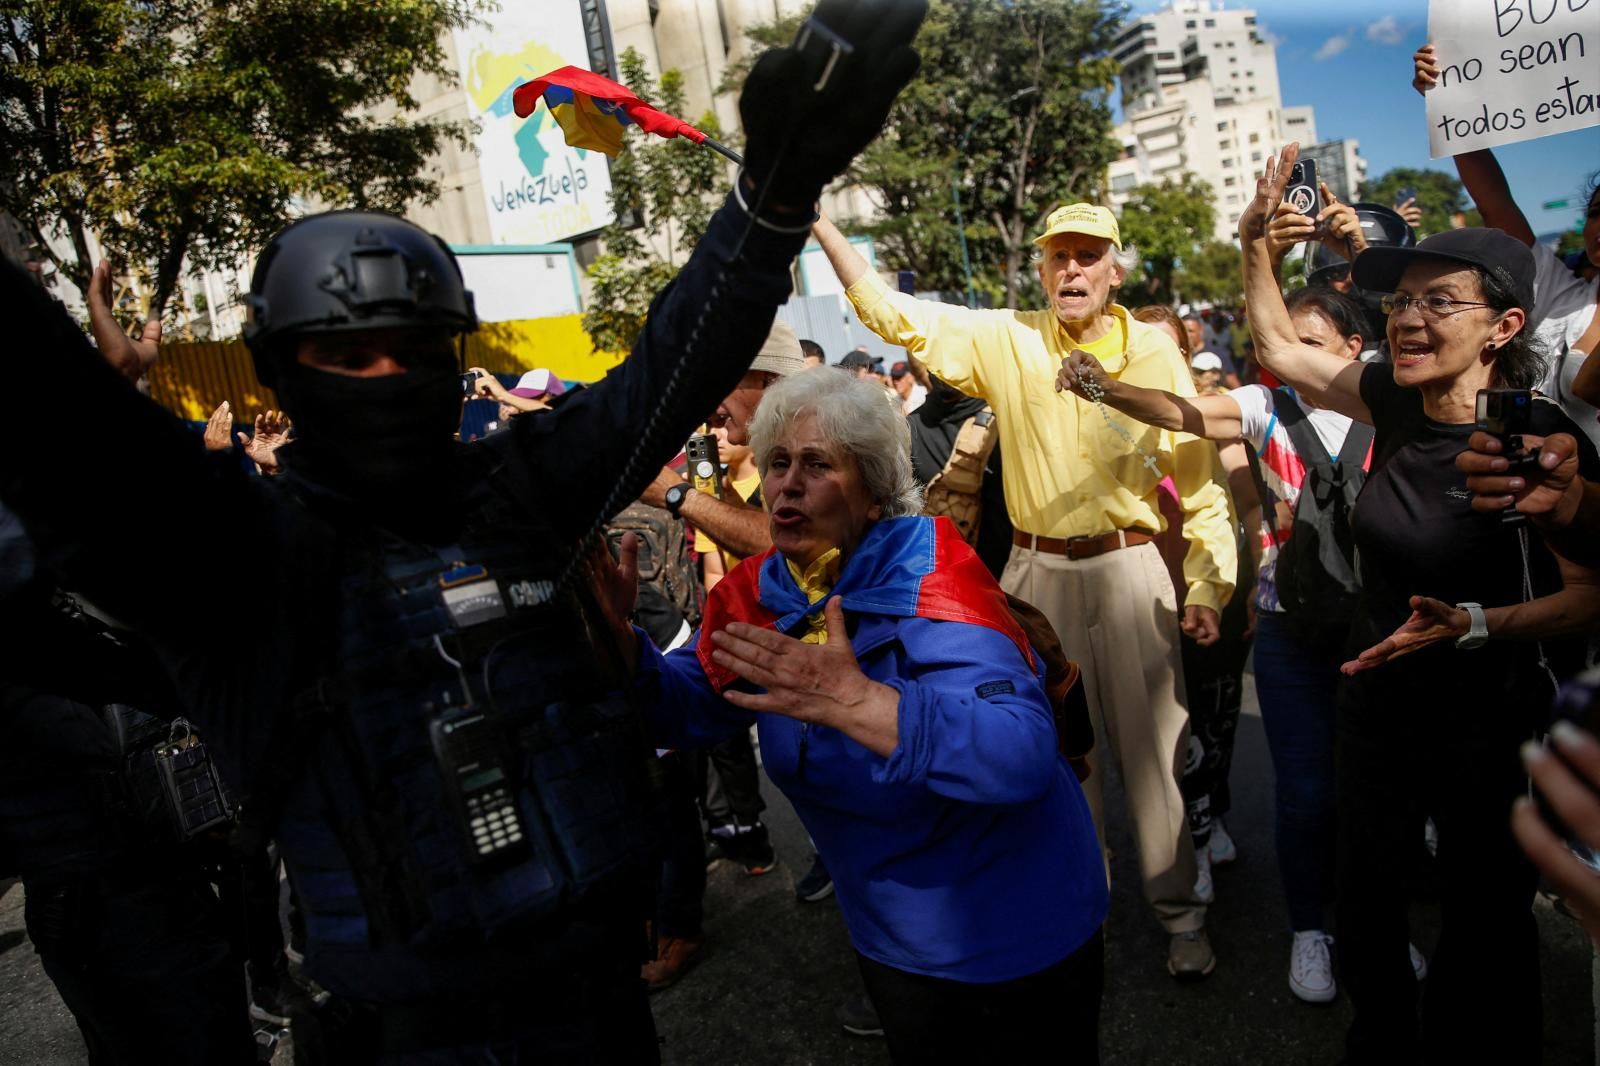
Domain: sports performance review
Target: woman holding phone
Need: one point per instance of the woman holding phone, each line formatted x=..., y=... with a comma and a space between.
x=1455, y=679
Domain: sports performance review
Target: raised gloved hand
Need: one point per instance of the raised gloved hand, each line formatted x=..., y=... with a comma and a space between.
x=808, y=109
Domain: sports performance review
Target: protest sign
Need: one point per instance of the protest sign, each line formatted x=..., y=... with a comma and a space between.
x=535, y=187
x=1511, y=70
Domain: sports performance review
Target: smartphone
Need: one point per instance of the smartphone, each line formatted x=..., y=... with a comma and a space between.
x=469, y=385
x=1407, y=193
x=1301, y=193
x=705, y=463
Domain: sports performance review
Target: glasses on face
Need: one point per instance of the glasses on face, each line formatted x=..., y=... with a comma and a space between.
x=1432, y=305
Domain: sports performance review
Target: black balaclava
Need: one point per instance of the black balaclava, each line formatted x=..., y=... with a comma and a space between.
x=383, y=443
x=934, y=427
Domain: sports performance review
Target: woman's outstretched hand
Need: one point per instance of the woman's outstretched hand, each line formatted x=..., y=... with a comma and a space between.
x=1431, y=621
x=1259, y=212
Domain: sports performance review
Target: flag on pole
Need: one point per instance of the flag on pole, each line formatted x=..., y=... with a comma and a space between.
x=593, y=110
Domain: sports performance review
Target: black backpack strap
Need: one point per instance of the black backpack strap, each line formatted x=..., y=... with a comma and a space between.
x=1269, y=503
x=1353, y=452
x=1306, y=442
x=1309, y=446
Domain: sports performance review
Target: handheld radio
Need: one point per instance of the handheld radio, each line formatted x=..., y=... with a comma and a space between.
x=466, y=748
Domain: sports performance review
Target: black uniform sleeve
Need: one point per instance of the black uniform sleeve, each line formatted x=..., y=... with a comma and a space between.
x=117, y=495
x=575, y=454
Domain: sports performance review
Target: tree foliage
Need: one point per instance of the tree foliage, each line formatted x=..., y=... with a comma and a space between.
x=664, y=193
x=1210, y=274
x=1168, y=223
x=1440, y=196
x=1011, y=108
x=176, y=130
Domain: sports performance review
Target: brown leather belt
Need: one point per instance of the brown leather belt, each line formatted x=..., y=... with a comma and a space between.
x=1082, y=547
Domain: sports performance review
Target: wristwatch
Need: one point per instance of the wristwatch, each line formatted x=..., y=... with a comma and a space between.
x=1478, y=635
x=675, y=497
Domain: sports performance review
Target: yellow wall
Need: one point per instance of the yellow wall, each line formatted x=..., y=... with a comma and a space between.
x=191, y=379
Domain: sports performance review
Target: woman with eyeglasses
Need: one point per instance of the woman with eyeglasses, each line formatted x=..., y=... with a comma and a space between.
x=1458, y=617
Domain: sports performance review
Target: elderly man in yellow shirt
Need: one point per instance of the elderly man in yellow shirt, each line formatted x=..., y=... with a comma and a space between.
x=1081, y=492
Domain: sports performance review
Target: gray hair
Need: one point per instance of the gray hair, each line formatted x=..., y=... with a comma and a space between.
x=852, y=413
x=1127, y=257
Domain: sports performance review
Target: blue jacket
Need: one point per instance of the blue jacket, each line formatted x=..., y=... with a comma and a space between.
x=969, y=852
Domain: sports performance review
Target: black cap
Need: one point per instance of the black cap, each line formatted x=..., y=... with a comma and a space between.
x=1498, y=253
x=855, y=359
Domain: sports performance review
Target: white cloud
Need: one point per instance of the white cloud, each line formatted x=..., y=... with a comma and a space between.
x=1333, y=46
x=1386, y=31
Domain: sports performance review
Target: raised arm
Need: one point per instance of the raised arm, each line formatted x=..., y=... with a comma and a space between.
x=802, y=129
x=1480, y=171
x=148, y=534
x=1321, y=377
x=1215, y=418
x=849, y=264
x=948, y=340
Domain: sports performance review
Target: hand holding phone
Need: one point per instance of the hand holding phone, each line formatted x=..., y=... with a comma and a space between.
x=1301, y=192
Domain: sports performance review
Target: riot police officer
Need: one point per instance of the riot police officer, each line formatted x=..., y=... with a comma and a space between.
x=424, y=708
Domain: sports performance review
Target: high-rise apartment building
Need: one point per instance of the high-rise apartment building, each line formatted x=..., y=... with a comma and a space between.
x=1200, y=96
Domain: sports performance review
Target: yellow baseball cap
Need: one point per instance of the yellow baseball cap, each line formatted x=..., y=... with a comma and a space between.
x=1092, y=219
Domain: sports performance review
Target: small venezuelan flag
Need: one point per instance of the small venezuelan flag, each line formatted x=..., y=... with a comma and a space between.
x=593, y=110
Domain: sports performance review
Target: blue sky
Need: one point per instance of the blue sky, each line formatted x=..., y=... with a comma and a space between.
x=1352, y=62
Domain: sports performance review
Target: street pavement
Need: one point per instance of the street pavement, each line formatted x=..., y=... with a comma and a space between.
x=765, y=991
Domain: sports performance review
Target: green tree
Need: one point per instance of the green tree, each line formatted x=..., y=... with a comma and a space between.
x=1210, y=274
x=1570, y=241
x=1011, y=106
x=191, y=130
x=1440, y=196
x=1168, y=223
x=664, y=193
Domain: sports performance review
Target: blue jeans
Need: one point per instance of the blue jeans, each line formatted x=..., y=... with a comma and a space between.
x=1297, y=676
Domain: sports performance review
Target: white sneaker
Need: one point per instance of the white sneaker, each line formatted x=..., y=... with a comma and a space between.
x=1204, y=888
x=1311, y=967
x=1419, y=965
x=1223, y=850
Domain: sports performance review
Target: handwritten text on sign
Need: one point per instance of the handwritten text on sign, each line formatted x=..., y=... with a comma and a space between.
x=1511, y=70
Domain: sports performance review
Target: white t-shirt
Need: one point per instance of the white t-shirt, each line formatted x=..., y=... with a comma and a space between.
x=1282, y=469
x=1564, y=305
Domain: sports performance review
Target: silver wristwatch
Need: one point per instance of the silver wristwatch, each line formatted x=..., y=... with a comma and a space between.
x=1478, y=635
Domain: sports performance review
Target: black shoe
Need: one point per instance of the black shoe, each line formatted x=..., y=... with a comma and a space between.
x=816, y=885
x=858, y=1016
x=746, y=845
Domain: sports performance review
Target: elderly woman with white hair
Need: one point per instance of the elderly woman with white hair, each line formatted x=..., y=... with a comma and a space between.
x=901, y=711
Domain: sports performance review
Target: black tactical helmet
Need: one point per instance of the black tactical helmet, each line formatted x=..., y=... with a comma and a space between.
x=351, y=270
x=1382, y=226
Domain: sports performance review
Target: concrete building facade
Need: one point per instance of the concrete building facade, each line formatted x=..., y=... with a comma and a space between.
x=1200, y=96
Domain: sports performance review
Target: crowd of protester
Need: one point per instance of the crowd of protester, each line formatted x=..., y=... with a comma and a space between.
x=835, y=584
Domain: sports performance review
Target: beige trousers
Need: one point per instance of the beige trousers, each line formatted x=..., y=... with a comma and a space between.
x=1117, y=617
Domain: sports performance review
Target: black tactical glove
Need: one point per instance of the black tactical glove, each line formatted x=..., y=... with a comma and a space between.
x=802, y=137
